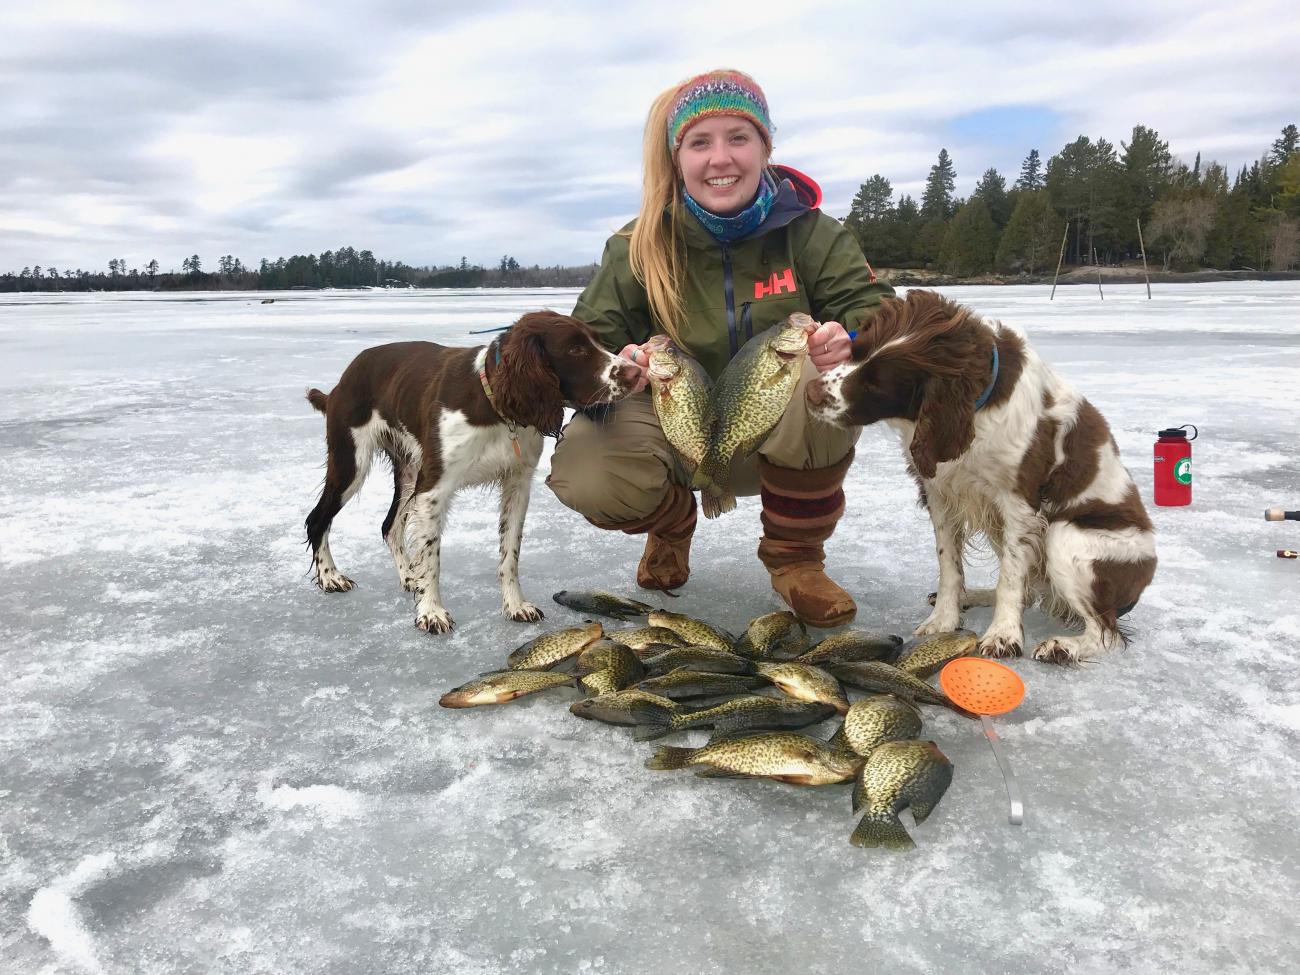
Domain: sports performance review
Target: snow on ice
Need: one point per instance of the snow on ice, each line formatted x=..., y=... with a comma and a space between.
x=209, y=766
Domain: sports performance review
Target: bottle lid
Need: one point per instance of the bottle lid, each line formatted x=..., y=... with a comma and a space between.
x=1179, y=433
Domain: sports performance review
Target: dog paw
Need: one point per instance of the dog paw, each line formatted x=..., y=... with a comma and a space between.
x=522, y=613
x=435, y=621
x=936, y=623
x=332, y=580
x=1056, y=651
x=1000, y=646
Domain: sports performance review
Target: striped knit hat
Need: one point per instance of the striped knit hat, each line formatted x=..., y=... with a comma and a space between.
x=718, y=93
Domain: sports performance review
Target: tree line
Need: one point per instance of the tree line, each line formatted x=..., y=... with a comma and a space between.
x=1191, y=216
x=346, y=267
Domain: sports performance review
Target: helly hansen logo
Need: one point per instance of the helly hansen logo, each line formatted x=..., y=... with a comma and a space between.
x=780, y=283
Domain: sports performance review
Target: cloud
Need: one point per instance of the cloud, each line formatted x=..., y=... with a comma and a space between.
x=425, y=132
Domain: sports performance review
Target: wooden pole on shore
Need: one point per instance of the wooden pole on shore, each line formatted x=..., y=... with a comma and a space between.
x=1059, y=258
x=1142, y=245
x=1098, y=267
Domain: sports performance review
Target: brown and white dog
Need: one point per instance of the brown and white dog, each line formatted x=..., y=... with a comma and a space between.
x=1034, y=469
x=449, y=418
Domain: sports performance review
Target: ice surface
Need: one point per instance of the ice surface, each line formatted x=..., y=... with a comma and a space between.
x=209, y=766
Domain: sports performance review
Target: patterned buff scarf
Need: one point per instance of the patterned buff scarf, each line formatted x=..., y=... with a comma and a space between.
x=747, y=220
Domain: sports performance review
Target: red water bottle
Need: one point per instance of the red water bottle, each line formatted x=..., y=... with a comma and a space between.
x=1174, y=466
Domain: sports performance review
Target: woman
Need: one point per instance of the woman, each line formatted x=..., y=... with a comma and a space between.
x=725, y=246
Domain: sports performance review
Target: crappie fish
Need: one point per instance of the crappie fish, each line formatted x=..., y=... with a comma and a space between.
x=680, y=393
x=805, y=683
x=748, y=399
x=774, y=636
x=689, y=683
x=781, y=755
x=881, y=678
x=502, y=686
x=928, y=657
x=747, y=713
x=608, y=666
x=699, y=659
x=549, y=649
x=602, y=604
x=644, y=637
x=693, y=632
x=621, y=707
x=852, y=646
x=898, y=774
x=875, y=720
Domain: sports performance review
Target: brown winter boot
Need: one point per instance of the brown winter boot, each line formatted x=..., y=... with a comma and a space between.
x=800, y=509
x=665, y=563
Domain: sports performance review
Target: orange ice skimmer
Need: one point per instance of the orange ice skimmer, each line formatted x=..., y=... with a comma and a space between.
x=986, y=687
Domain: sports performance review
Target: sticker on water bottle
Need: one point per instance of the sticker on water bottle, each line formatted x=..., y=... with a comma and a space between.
x=1183, y=471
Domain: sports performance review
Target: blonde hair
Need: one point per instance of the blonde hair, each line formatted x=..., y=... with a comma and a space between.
x=656, y=246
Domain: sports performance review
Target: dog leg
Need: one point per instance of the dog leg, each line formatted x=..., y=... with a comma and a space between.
x=1021, y=537
x=514, y=508
x=949, y=538
x=429, y=510
x=395, y=525
x=970, y=598
x=348, y=462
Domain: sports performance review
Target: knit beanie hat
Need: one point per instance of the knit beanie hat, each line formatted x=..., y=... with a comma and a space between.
x=718, y=93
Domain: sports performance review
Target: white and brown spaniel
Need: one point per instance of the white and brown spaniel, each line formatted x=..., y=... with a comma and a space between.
x=449, y=418
x=1000, y=445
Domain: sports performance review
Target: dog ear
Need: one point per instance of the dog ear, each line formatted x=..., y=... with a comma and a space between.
x=526, y=387
x=945, y=424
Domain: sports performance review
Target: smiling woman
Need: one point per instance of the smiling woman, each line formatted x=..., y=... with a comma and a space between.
x=726, y=245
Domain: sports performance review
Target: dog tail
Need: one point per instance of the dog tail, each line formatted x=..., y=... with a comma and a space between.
x=317, y=399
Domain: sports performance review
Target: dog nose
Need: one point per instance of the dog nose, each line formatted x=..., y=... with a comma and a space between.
x=628, y=373
x=816, y=392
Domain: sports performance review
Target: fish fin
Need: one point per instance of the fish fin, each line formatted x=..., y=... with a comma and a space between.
x=712, y=772
x=793, y=779
x=711, y=506
x=881, y=828
x=669, y=757
x=652, y=720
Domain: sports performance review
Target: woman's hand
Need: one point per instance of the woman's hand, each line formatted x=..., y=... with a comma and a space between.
x=829, y=346
x=639, y=357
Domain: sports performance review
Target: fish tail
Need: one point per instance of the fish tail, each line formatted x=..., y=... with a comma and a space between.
x=881, y=827
x=669, y=757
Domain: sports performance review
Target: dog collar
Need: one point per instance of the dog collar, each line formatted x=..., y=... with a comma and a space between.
x=492, y=401
x=988, y=390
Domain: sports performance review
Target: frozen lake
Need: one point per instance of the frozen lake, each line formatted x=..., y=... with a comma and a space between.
x=209, y=766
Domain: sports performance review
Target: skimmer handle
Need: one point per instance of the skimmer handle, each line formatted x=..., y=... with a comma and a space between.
x=1017, y=816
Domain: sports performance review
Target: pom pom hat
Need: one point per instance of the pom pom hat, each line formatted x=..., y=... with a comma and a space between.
x=718, y=93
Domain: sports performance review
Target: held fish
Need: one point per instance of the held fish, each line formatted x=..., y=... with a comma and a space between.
x=927, y=658
x=874, y=720
x=679, y=390
x=805, y=683
x=898, y=774
x=781, y=755
x=774, y=636
x=748, y=713
x=852, y=646
x=602, y=603
x=748, y=400
x=549, y=649
x=503, y=686
x=693, y=632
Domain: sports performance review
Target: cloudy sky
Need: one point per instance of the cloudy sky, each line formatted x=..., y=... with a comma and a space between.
x=426, y=130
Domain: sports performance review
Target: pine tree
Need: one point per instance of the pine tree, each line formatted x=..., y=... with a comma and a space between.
x=870, y=218
x=1031, y=177
x=992, y=189
x=937, y=198
x=1032, y=238
x=971, y=241
x=1285, y=144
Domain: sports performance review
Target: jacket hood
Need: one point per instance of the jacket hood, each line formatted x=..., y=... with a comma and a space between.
x=796, y=194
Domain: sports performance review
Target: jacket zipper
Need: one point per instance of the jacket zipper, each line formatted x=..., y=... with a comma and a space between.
x=731, y=299
x=746, y=322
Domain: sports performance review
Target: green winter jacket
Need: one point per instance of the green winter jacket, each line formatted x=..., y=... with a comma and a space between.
x=798, y=260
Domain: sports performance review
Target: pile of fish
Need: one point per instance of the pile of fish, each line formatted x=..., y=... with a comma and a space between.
x=711, y=427
x=677, y=673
